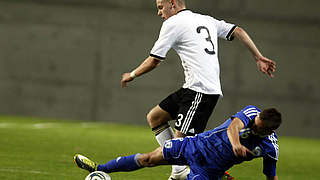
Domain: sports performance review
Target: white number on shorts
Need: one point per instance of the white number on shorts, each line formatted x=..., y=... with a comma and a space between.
x=179, y=119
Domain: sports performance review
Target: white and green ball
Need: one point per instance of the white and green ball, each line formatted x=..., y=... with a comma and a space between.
x=98, y=175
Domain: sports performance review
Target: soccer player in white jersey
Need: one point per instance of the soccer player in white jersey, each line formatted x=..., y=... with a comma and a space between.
x=195, y=39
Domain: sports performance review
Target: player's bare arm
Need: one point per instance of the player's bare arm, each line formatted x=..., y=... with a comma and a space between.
x=146, y=66
x=233, y=134
x=272, y=178
x=264, y=64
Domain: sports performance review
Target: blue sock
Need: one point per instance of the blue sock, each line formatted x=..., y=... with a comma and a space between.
x=126, y=163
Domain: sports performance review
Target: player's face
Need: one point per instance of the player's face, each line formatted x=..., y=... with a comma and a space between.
x=260, y=128
x=165, y=9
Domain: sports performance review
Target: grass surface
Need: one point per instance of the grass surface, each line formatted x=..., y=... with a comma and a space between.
x=37, y=149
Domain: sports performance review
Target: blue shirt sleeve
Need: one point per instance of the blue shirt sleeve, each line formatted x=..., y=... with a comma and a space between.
x=269, y=166
x=247, y=115
x=271, y=146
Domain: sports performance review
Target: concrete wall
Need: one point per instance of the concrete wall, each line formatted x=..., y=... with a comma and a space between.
x=64, y=59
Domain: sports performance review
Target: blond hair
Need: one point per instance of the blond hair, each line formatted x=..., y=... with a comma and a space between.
x=180, y=3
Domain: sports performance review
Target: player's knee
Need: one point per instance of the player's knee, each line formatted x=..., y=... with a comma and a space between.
x=150, y=118
x=157, y=117
x=142, y=160
x=146, y=160
x=154, y=119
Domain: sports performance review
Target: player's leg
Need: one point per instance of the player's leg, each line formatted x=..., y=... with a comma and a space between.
x=160, y=115
x=179, y=172
x=181, y=151
x=192, y=118
x=158, y=120
x=195, y=112
x=123, y=163
x=154, y=158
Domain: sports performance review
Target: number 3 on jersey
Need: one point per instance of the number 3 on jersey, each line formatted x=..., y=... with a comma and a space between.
x=207, y=39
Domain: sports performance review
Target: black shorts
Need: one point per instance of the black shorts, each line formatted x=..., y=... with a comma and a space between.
x=190, y=109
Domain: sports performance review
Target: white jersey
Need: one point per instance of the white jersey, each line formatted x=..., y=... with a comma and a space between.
x=195, y=38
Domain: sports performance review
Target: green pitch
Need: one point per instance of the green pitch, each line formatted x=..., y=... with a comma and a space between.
x=37, y=149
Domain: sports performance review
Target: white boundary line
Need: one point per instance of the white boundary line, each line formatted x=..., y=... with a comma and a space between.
x=44, y=125
x=30, y=172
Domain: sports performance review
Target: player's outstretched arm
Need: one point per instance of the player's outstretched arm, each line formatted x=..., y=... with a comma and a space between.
x=272, y=178
x=264, y=64
x=147, y=65
x=233, y=134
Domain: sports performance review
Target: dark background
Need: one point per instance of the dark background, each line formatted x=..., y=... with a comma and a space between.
x=64, y=59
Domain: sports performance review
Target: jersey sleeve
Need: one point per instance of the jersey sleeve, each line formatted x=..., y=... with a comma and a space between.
x=225, y=29
x=272, y=150
x=269, y=166
x=247, y=114
x=167, y=38
x=271, y=155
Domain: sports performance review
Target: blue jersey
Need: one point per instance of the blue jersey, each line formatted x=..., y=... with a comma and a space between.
x=210, y=153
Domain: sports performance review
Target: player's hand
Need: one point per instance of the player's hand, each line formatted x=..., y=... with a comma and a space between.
x=125, y=78
x=241, y=151
x=266, y=66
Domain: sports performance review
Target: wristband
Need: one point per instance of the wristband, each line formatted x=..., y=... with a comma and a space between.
x=133, y=75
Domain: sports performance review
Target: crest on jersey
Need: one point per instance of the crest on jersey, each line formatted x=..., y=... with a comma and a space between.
x=245, y=133
x=168, y=144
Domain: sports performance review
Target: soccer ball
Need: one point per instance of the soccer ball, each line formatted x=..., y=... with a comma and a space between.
x=98, y=175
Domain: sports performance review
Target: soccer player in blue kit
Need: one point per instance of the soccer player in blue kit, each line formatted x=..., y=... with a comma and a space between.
x=246, y=135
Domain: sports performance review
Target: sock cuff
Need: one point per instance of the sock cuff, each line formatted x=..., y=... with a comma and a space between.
x=157, y=130
x=136, y=159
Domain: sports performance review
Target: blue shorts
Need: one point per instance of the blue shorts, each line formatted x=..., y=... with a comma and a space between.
x=185, y=152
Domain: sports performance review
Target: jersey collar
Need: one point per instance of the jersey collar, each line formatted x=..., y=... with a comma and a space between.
x=183, y=10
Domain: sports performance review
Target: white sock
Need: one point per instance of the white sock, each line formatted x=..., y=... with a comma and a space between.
x=165, y=135
x=177, y=169
x=162, y=137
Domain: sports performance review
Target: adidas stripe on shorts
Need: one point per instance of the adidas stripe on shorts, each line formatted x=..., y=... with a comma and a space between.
x=190, y=109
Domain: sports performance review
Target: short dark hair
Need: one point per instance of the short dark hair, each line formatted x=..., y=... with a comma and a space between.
x=272, y=116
